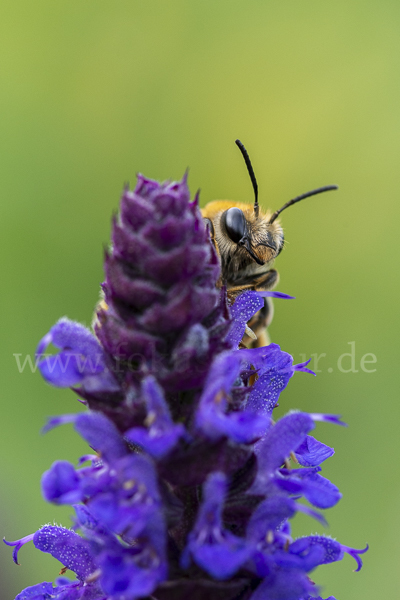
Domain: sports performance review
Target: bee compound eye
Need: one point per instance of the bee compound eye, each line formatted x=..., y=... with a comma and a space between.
x=235, y=224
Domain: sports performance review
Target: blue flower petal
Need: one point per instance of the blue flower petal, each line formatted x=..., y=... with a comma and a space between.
x=67, y=547
x=162, y=434
x=275, y=368
x=216, y=550
x=41, y=591
x=135, y=571
x=81, y=362
x=213, y=416
x=312, y=453
x=280, y=440
x=60, y=484
x=245, y=306
x=332, y=550
x=127, y=498
x=269, y=515
x=318, y=490
x=101, y=434
x=305, y=562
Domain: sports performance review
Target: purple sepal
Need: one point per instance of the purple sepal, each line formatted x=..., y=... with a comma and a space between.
x=81, y=362
x=60, y=484
x=245, y=306
x=162, y=434
x=312, y=453
x=217, y=551
x=213, y=416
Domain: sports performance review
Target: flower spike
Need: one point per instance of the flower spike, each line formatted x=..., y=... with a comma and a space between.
x=189, y=483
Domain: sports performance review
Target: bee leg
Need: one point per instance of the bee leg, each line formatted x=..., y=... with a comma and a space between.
x=267, y=281
x=258, y=324
x=261, y=284
x=262, y=340
x=262, y=319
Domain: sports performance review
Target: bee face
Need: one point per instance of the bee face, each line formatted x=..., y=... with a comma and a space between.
x=247, y=243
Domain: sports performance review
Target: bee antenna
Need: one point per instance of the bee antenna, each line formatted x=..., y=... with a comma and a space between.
x=251, y=173
x=326, y=188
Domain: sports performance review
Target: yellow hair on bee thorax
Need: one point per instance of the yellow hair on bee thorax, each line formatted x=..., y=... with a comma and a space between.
x=215, y=207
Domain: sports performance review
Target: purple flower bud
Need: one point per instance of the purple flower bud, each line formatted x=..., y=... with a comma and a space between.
x=161, y=274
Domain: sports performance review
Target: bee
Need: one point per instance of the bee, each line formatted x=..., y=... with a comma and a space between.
x=248, y=240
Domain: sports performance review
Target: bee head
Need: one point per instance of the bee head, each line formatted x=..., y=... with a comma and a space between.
x=247, y=238
x=259, y=230
x=252, y=233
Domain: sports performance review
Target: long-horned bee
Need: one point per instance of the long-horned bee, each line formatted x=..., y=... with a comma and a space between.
x=248, y=240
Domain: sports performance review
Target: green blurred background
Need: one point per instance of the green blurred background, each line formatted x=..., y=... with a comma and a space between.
x=91, y=93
